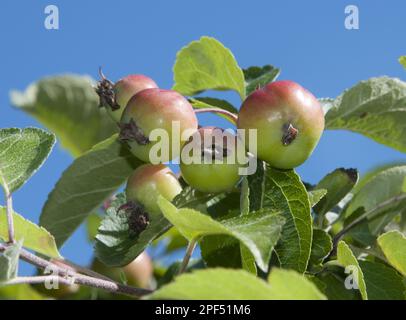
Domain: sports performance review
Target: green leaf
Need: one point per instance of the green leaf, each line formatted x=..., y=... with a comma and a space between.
x=22, y=152
x=223, y=206
x=402, y=61
x=259, y=76
x=383, y=186
x=226, y=251
x=197, y=104
x=338, y=184
x=283, y=191
x=256, y=183
x=221, y=251
x=247, y=259
x=258, y=231
x=321, y=246
x=333, y=286
x=374, y=171
x=9, y=261
x=382, y=282
x=173, y=241
x=173, y=270
x=68, y=106
x=115, y=246
x=206, y=64
x=347, y=259
x=208, y=102
x=326, y=104
x=290, y=285
x=205, y=102
x=93, y=223
x=375, y=108
x=245, y=197
x=20, y=292
x=226, y=284
x=316, y=195
x=215, y=284
x=35, y=237
x=393, y=245
x=191, y=198
x=89, y=180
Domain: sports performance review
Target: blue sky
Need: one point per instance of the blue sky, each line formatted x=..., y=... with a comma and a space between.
x=306, y=39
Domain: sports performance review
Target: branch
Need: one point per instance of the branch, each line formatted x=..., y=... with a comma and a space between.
x=71, y=276
x=78, y=269
x=189, y=251
x=229, y=114
x=37, y=279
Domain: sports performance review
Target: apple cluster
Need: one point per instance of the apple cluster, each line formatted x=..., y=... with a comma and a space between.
x=287, y=118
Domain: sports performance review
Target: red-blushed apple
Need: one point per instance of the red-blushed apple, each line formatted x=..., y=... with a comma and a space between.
x=115, y=96
x=153, y=109
x=289, y=122
x=125, y=88
x=148, y=182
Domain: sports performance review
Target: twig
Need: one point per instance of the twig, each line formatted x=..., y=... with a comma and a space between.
x=229, y=114
x=373, y=212
x=76, y=268
x=189, y=251
x=108, y=285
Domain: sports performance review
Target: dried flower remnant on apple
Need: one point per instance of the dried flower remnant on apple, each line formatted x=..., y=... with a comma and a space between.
x=137, y=217
x=115, y=96
x=147, y=183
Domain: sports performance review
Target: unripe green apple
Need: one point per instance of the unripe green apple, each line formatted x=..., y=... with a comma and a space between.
x=209, y=176
x=152, y=109
x=125, y=88
x=138, y=273
x=289, y=122
x=148, y=182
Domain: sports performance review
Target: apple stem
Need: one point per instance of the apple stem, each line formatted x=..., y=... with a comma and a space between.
x=101, y=74
x=104, y=90
x=189, y=251
x=230, y=116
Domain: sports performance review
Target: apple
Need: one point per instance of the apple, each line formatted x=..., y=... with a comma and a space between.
x=216, y=168
x=289, y=122
x=153, y=109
